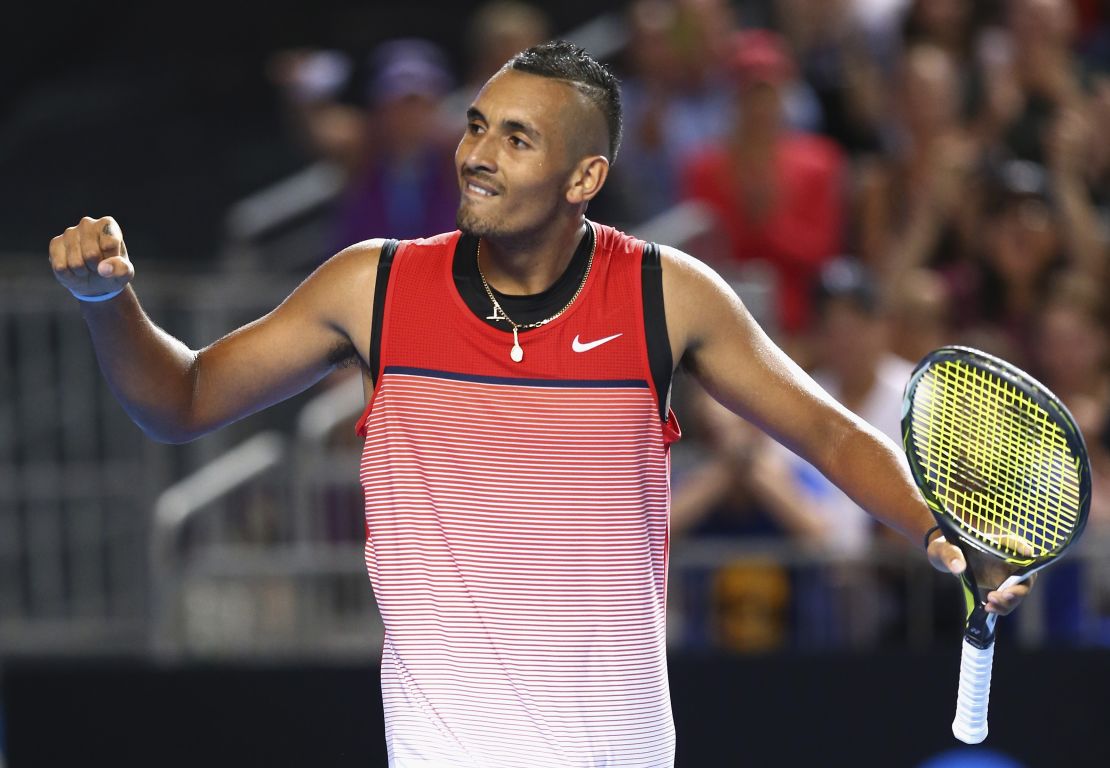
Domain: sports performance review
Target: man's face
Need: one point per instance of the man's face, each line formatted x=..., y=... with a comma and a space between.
x=518, y=154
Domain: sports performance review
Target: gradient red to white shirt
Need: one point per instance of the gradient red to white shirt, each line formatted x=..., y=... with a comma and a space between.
x=516, y=542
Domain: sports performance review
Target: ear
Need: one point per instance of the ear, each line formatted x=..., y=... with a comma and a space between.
x=587, y=179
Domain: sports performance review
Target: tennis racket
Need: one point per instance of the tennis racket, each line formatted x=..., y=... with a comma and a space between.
x=1004, y=469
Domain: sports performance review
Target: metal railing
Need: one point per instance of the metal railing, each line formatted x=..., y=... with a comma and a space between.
x=77, y=477
x=298, y=584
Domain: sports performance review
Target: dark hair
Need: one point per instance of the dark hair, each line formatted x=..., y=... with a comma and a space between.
x=563, y=60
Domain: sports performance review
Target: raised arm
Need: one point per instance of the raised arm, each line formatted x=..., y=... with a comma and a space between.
x=715, y=336
x=176, y=394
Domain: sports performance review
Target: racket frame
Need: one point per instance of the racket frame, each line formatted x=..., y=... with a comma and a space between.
x=979, y=625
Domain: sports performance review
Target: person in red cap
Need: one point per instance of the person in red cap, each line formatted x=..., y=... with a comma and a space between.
x=778, y=194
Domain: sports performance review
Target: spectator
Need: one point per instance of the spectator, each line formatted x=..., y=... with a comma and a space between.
x=674, y=99
x=1067, y=146
x=842, y=49
x=855, y=366
x=495, y=31
x=1071, y=359
x=968, y=33
x=916, y=203
x=999, y=296
x=1073, y=352
x=920, y=314
x=778, y=194
x=1098, y=166
x=729, y=484
x=702, y=35
x=1035, y=73
x=395, y=153
x=951, y=25
x=498, y=30
x=645, y=182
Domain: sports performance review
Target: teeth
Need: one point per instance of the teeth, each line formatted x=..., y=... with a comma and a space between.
x=479, y=190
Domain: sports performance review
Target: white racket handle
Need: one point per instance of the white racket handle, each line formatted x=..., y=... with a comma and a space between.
x=970, y=725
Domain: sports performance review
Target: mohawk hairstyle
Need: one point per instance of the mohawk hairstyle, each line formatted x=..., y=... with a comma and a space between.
x=562, y=60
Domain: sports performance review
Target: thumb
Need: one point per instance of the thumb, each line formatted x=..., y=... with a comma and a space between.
x=116, y=267
x=946, y=557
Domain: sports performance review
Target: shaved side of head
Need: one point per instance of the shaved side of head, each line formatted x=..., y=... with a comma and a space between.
x=595, y=84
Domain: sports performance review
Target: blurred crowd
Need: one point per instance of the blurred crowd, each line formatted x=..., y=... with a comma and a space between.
x=904, y=174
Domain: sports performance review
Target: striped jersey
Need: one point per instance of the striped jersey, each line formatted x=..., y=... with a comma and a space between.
x=516, y=525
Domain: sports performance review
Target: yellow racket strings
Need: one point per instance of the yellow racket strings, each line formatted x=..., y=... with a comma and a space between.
x=996, y=460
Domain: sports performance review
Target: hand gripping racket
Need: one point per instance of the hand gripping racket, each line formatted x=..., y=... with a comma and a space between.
x=1004, y=469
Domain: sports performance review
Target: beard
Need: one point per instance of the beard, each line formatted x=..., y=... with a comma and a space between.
x=516, y=227
x=471, y=223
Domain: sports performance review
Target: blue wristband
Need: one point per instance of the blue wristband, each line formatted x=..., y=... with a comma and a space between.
x=99, y=296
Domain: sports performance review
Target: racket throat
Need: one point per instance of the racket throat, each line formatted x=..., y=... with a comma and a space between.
x=979, y=629
x=978, y=624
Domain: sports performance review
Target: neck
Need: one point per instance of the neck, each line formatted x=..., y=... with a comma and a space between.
x=530, y=265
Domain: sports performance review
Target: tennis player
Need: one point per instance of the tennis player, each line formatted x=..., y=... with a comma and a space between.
x=517, y=426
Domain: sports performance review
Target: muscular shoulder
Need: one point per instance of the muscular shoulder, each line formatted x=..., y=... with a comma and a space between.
x=350, y=272
x=340, y=292
x=696, y=299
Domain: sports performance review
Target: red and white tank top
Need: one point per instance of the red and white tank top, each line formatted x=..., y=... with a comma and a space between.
x=516, y=525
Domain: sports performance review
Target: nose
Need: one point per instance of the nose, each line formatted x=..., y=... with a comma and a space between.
x=476, y=153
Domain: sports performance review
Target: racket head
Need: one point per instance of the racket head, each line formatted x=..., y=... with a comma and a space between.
x=998, y=458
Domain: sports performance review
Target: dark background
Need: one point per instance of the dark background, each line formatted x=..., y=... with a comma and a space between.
x=161, y=114
x=881, y=710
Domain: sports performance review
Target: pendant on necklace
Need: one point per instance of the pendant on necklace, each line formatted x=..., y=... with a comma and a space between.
x=517, y=353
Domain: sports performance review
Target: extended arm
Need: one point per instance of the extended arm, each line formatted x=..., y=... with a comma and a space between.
x=177, y=394
x=742, y=368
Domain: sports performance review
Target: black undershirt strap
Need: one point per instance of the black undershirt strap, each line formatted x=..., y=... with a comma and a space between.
x=381, y=285
x=655, y=327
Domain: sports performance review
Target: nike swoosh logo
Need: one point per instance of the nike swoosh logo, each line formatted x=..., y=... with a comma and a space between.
x=579, y=346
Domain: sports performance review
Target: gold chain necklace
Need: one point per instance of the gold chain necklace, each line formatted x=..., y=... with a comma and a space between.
x=517, y=353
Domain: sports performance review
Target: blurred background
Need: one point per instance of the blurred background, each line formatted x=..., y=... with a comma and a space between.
x=874, y=177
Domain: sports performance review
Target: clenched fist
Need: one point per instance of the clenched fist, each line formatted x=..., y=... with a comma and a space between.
x=90, y=259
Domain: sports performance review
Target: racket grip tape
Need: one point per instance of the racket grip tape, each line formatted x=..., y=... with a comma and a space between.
x=970, y=725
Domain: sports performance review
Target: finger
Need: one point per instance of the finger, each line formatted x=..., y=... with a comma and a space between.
x=58, y=255
x=1003, y=602
x=110, y=238
x=945, y=556
x=89, y=229
x=1016, y=543
x=90, y=252
x=75, y=260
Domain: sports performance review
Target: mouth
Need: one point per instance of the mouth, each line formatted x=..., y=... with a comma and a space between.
x=476, y=189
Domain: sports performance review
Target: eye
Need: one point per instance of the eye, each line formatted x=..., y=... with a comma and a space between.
x=518, y=143
x=474, y=128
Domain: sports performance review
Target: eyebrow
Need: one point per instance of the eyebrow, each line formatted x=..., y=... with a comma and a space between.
x=511, y=126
